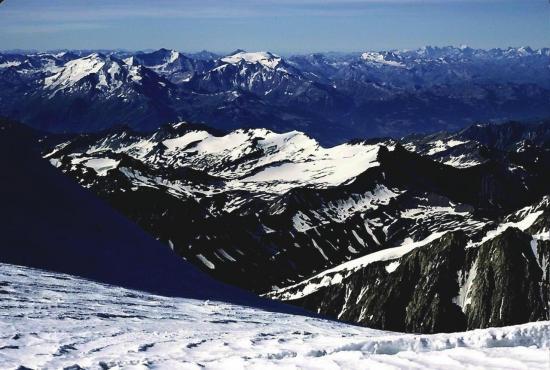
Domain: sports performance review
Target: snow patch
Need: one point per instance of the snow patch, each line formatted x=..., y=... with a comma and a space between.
x=392, y=266
x=523, y=225
x=101, y=165
x=13, y=63
x=440, y=145
x=183, y=141
x=206, y=262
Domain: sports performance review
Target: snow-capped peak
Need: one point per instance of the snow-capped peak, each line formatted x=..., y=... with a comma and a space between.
x=111, y=73
x=75, y=70
x=163, y=61
x=264, y=58
x=379, y=58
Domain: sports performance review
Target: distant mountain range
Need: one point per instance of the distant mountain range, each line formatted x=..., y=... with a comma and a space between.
x=331, y=97
x=429, y=233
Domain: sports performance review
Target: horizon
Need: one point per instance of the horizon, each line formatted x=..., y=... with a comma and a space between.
x=275, y=52
x=286, y=27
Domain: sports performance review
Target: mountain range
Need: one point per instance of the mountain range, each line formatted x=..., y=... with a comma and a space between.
x=329, y=96
x=427, y=233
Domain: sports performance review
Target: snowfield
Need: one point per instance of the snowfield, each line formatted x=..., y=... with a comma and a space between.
x=56, y=321
x=256, y=160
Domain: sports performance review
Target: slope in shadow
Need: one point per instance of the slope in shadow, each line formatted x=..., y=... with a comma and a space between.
x=49, y=222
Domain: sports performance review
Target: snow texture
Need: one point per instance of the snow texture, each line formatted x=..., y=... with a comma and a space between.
x=56, y=321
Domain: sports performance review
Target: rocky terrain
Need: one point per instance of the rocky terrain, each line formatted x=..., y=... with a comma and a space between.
x=430, y=233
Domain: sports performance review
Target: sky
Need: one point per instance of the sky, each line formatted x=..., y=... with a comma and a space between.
x=283, y=26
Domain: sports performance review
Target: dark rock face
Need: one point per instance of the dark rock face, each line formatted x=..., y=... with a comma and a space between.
x=507, y=137
x=543, y=257
x=415, y=297
x=486, y=187
x=508, y=285
x=430, y=308
x=420, y=295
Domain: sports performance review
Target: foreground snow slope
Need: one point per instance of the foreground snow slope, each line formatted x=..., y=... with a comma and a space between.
x=54, y=321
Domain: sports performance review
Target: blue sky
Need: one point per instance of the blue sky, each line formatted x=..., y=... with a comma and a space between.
x=282, y=26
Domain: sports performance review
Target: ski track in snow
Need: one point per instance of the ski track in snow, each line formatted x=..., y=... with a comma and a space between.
x=56, y=321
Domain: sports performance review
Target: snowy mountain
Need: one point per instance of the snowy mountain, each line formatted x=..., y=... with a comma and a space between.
x=106, y=74
x=261, y=73
x=52, y=320
x=479, y=143
x=431, y=65
x=331, y=97
x=89, y=93
x=262, y=58
x=270, y=211
x=171, y=64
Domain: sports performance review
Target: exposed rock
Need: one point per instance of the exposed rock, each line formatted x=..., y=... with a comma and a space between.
x=507, y=288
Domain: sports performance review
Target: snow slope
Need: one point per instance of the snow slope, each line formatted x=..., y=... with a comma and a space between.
x=449, y=149
x=55, y=321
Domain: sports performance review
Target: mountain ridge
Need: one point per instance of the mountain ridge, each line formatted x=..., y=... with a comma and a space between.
x=333, y=97
x=267, y=211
